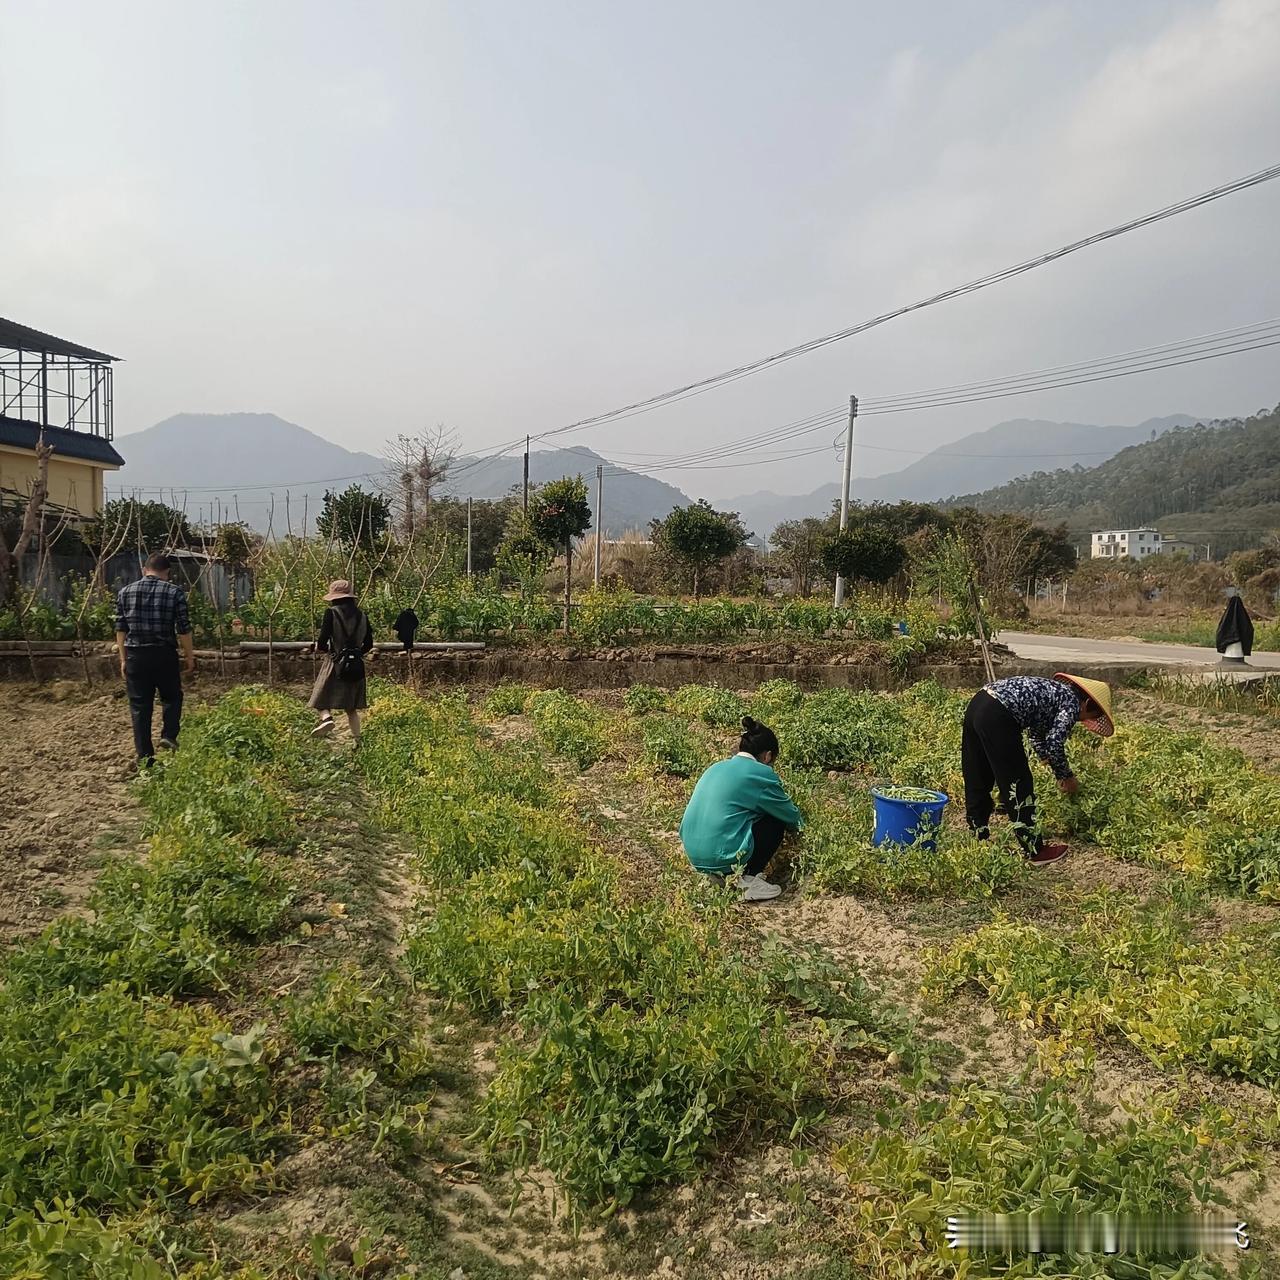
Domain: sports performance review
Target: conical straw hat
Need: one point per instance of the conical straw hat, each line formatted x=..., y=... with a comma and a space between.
x=1100, y=692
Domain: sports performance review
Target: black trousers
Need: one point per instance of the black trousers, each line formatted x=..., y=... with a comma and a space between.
x=992, y=756
x=151, y=670
x=767, y=833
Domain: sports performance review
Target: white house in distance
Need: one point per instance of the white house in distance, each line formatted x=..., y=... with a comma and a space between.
x=1115, y=544
x=1138, y=544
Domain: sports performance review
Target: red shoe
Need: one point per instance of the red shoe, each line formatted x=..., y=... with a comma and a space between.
x=1049, y=853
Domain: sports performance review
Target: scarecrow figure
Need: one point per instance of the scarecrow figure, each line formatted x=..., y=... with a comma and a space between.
x=406, y=626
x=1235, y=631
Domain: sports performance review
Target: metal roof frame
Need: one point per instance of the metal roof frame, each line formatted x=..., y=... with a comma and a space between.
x=21, y=337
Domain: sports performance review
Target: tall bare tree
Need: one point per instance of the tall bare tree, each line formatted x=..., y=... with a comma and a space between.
x=32, y=524
x=416, y=467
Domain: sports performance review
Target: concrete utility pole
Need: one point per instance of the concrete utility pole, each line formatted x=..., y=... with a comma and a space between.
x=468, y=537
x=526, y=475
x=844, y=489
x=599, y=519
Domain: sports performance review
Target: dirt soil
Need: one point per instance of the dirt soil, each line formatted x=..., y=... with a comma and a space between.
x=66, y=758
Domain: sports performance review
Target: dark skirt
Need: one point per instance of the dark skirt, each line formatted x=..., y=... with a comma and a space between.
x=331, y=694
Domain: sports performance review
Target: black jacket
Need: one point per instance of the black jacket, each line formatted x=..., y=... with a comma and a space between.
x=350, y=613
x=405, y=626
x=1236, y=627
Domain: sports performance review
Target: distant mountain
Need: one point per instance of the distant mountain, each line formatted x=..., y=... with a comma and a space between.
x=229, y=462
x=1217, y=483
x=631, y=500
x=1001, y=453
x=204, y=459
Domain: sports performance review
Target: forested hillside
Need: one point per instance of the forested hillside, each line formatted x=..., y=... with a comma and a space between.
x=1217, y=483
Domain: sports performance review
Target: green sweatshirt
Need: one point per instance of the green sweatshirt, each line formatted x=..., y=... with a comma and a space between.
x=730, y=796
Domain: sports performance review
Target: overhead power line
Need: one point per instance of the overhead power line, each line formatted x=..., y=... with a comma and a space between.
x=1136, y=356
x=1211, y=347
x=1208, y=346
x=972, y=286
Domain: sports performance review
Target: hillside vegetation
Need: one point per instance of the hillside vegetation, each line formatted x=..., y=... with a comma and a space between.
x=1217, y=483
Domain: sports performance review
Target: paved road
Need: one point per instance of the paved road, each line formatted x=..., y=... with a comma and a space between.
x=1041, y=648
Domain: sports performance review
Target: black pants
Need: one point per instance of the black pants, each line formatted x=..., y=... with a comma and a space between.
x=767, y=833
x=151, y=670
x=992, y=755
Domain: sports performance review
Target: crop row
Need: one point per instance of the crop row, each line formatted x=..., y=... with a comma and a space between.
x=125, y=1096
x=477, y=610
x=926, y=1154
x=1149, y=794
x=643, y=1040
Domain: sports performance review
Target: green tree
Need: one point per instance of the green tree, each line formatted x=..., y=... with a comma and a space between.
x=156, y=525
x=867, y=551
x=797, y=550
x=1009, y=550
x=446, y=520
x=234, y=546
x=698, y=538
x=522, y=556
x=558, y=513
x=354, y=517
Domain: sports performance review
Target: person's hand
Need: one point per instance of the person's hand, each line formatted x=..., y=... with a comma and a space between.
x=189, y=666
x=1068, y=786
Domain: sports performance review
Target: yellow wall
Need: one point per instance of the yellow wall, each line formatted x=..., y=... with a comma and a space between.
x=72, y=482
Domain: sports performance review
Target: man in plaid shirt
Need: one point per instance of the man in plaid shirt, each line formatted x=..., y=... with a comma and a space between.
x=151, y=624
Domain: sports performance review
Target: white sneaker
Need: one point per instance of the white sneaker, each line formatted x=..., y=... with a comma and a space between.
x=324, y=728
x=756, y=888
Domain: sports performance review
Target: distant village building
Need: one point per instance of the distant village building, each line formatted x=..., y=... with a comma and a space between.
x=62, y=391
x=1138, y=544
x=1172, y=546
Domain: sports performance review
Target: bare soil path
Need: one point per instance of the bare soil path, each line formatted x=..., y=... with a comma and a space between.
x=65, y=762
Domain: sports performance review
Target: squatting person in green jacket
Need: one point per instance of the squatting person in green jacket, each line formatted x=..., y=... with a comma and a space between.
x=738, y=813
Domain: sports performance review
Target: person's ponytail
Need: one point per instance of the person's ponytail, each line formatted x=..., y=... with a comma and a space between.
x=757, y=738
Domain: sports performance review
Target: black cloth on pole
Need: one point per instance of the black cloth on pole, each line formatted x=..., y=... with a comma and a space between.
x=1236, y=627
x=405, y=626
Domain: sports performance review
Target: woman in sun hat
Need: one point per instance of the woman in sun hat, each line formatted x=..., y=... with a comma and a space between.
x=992, y=754
x=345, y=637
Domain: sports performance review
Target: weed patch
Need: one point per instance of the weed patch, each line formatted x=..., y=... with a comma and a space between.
x=987, y=1151
x=1136, y=972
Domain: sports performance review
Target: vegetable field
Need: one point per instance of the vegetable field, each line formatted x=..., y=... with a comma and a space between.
x=452, y=1005
x=286, y=607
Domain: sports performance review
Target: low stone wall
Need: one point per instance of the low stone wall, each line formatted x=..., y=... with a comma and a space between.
x=579, y=672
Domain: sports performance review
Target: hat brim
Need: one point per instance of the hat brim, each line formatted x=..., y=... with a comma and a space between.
x=342, y=595
x=1101, y=724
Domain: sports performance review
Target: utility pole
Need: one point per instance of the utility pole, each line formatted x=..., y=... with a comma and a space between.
x=844, y=488
x=599, y=519
x=468, y=537
x=526, y=475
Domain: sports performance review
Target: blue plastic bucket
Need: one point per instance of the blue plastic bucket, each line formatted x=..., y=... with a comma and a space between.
x=907, y=822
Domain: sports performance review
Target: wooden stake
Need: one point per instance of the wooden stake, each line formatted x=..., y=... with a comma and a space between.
x=976, y=605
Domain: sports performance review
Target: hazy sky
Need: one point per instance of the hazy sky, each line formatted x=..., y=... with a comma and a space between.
x=508, y=215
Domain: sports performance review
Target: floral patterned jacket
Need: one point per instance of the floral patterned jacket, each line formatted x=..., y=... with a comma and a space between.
x=1046, y=709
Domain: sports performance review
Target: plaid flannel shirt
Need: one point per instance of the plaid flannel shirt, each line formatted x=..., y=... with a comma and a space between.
x=152, y=611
